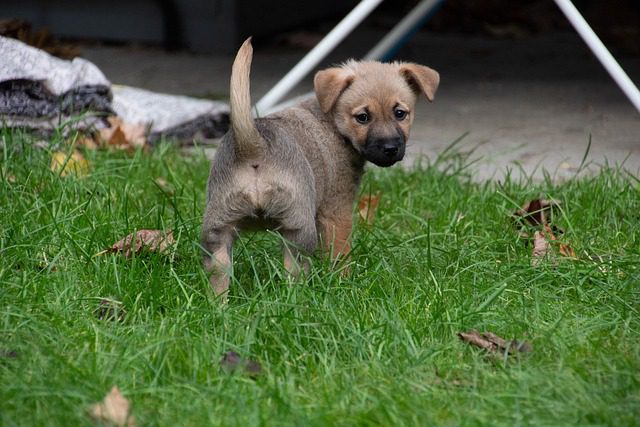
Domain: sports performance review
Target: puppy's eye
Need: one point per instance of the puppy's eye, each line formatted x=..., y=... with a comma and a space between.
x=362, y=118
x=400, y=114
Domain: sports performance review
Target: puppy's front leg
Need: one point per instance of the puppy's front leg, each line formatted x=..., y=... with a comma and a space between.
x=217, y=245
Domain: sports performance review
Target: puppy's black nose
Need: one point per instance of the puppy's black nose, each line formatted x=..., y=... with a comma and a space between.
x=390, y=149
x=384, y=151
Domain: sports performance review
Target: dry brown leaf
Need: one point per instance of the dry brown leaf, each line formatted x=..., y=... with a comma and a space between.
x=493, y=343
x=367, y=206
x=104, y=136
x=117, y=139
x=135, y=133
x=115, y=409
x=495, y=339
x=165, y=186
x=148, y=240
x=566, y=251
x=536, y=212
x=64, y=164
x=542, y=246
x=87, y=142
x=474, y=337
x=122, y=135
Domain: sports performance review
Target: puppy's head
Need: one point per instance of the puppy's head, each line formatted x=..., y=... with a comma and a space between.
x=372, y=104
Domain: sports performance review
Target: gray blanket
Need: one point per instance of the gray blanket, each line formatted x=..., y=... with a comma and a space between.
x=39, y=91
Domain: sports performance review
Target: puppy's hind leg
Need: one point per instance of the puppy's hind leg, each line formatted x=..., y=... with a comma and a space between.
x=217, y=244
x=299, y=241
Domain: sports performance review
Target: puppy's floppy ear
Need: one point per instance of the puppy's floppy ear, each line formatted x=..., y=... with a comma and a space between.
x=329, y=85
x=421, y=79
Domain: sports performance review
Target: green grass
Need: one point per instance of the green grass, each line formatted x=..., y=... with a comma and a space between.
x=376, y=347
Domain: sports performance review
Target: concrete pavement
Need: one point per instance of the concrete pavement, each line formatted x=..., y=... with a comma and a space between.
x=527, y=105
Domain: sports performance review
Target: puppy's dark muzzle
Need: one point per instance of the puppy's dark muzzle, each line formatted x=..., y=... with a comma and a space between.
x=384, y=151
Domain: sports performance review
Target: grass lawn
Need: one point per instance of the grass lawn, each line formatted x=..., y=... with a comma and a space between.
x=376, y=347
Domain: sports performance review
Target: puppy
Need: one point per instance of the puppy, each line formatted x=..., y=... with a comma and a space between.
x=297, y=171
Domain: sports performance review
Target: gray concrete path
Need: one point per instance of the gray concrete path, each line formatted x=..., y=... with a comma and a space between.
x=525, y=105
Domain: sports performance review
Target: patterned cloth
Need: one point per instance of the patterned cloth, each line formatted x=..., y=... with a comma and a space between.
x=171, y=116
x=39, y=91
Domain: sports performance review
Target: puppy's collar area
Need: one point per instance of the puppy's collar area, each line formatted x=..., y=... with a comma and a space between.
x=357, y=159
x=355, y=149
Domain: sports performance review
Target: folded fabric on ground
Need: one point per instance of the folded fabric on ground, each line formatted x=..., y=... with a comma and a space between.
x=171, y=116
x=42, y=92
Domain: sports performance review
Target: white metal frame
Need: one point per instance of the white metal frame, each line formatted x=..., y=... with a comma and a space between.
x=600, y=51
x=407, y=26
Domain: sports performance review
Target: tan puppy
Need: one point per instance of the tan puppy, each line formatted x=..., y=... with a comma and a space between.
x=298, y=171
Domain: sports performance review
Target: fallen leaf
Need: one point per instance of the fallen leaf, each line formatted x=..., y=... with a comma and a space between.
x=542, y=247
x=135, y=133
x=87, y=141
x=165, y=186
x=367, y=206
x=493, y=343
x=566, y=251
x=118, y=139
x=122, y=135
x=232, y=362
x=148, y=240
x=111, y=310
x=513, y=346
x=113, y=410
x=536, y=212
x=474, y=337
x=63, y=164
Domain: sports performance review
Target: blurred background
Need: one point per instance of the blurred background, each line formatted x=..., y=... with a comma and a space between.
x=515, y=76
x=215, y=26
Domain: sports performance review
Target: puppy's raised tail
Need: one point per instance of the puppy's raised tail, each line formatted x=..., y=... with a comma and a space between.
x=246, y=137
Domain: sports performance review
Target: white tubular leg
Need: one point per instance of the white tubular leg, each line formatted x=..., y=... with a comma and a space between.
x=600, y=51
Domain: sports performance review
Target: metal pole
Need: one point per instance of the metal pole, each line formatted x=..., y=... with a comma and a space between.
x=391, y=42
x=600, y=51
x=319, y=52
